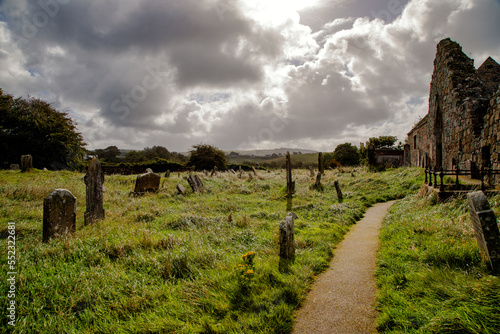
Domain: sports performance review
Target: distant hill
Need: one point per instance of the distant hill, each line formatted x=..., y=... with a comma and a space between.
x=270, y=152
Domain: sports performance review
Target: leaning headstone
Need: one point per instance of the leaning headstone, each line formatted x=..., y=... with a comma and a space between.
x=339, y=191
x=59, y=214
x=181, y=189
x=149, y=182
x=14, y=167
x=485, y=228
x=167, y=174
x=232, y=171
x=94, y=180
x=254, y=170
x=26, y=163
x=195, y=183
x=290, y=185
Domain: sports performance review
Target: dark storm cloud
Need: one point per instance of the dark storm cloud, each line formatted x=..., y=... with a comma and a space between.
x=109, y=51
x=177, y=73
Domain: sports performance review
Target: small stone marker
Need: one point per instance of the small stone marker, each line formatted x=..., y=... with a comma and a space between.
x=94, y=180
x=290, y=185
x=232, y=171
x=206, y=172
x=240, y=173
x=311, y=170
x=287, y=241
x=254, y=170
x=195, y=183
x=318, y=185
x=339, y=191
x=486, y=229
x=59, y=214
x=167, y=174
x=149, y=182
x=14, y=167
x=181, y=189
x=26, y=163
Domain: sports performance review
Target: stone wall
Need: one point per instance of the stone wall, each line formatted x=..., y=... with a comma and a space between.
x=491, y=134
x=463, y=113
x=419, y=142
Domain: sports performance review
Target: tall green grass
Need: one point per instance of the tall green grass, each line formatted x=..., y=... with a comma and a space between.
x=172, y=264
x=430, y=273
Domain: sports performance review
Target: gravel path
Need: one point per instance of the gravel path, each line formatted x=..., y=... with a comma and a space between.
x=342, y=299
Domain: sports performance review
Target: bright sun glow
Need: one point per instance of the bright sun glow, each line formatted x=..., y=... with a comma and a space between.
x=276, y=12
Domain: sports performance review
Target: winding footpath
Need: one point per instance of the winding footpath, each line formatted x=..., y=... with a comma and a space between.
x=343, y=299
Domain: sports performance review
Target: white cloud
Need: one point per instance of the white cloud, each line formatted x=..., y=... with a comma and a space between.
x=179, y=73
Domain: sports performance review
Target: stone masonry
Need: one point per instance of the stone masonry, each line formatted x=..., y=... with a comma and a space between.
x=462, y=125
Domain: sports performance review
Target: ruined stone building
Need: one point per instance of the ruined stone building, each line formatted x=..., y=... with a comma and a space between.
x=463, y=123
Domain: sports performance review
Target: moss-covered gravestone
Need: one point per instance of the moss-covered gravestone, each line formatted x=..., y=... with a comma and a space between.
x=486, y=229
x=59, y=214
x=26, y=163
x=149, y=182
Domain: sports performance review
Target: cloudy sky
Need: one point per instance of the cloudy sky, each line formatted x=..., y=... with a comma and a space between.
x=238, y=74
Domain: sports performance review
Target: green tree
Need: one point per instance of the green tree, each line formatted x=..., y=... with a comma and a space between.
x=157, y=152
x=135, y=156
x=33, y=126
x=347, y=155
x=206, y=157
x=109, y=154
x=382, y=141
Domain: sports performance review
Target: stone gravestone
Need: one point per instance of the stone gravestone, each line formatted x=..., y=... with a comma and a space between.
x=14, y=167
x=240, y=173
x=94, y=180
x=59, y=214
x=232, y=171
x=195, y=183
x=311, y=171
x=149, y=182
x=287, y=241
x=26, y=163
x=254, y=170
x=181, y=189
x=318, y=185
x=339, y=191
x=321, y=167
x=290, y=185
x=485, y=228
x=167, y=174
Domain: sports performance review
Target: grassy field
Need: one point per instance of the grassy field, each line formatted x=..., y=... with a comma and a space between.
x=430, y=273
x=200, y=263
x=307, y=159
